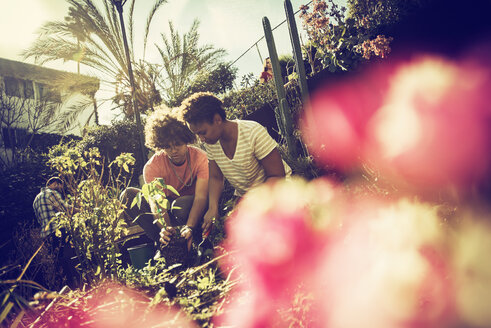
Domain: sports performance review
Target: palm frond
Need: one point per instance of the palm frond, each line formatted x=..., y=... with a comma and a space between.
x=151, y=14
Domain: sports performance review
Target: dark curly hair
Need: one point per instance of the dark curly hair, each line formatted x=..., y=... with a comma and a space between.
x=163, y=129
x=202, y=107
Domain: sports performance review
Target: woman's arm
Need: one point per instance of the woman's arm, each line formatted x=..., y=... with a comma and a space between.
x=215, y=188
x=273, y=165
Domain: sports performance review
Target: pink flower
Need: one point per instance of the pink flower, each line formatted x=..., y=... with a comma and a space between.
x=385, y=262
x=424, y=122
x=433, y=128
x=335, y=121
x=276, y=247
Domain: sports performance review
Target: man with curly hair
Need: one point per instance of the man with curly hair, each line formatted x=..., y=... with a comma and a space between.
x=183, y=167
x=240, y=151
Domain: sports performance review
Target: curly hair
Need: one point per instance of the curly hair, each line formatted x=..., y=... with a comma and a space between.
x=163, y=129
x=202, y=107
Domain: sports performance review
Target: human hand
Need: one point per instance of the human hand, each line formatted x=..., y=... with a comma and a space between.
x=165, y=235
x=187, y=233
x=209, y=219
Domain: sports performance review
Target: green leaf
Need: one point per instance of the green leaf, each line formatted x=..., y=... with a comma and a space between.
x=146, y=191
x=203, y=283
x=173, y=190
x=161, y=182
x=137, y=200
x=6, y=311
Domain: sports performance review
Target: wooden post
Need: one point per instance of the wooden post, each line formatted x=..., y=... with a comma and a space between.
x=284, y=117
x=297, y=50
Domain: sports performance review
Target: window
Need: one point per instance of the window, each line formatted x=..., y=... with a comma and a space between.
x=28, y=89
x=12, y=86
x=48, y=93
x=41, y=90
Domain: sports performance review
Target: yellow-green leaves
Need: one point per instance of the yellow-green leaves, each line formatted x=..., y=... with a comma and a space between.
x=124, y=161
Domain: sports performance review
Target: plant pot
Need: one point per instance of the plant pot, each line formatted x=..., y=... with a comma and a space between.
x=140, y=255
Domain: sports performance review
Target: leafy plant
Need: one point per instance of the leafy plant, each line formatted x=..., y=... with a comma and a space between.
x=90, y=35
x=93, y=219
x=218, y=80
x=153, y=192
x=119, y=137
x=199, y=291
x=252, y=96
x=336, y=43
x=11, y=300
x=183, y=59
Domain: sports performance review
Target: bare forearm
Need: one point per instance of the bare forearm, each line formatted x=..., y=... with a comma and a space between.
x=215, y=191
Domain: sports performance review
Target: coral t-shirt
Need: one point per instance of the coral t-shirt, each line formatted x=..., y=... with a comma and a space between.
x=159, y=166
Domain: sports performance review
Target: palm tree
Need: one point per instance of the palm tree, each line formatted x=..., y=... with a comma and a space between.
x=183, y=60
x=92, y=36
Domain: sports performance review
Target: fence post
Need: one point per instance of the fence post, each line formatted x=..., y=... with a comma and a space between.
x=284, y=118
x=297, y=50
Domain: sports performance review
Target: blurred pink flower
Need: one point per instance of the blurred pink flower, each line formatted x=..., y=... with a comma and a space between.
x=277, y=247
x=425, y=122
x=434, y=126
x=335, y=121
x=385, y=262
x=387, y=269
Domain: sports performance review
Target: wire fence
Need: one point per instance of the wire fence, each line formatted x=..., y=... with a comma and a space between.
x=255, y=44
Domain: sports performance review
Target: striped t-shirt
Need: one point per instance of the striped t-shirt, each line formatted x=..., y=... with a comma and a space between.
x=244, y=171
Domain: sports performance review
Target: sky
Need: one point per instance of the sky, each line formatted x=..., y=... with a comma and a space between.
x=233, y=25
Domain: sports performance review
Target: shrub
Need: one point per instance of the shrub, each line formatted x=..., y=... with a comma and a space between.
x=93, y=219
x=218, y=81
x=120, y=137
x=250, y=98
x=339, y=44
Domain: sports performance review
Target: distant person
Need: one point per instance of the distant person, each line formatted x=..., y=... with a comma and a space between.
x=267, y=73
x=47, y=203
x=183, y=167
x=240, y=151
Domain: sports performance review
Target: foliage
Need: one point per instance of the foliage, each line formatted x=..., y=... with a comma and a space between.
x=12, y=300
x=198, y=291
x=153, y=192
x=147, y=96
x=21, y=119
x=336, y=43
x=183, y=59
x=91, y=36
x=93, y=219
x=119, y=137
x=382, y=14
x=249, y=98
x=218, y=81
x=287, y=66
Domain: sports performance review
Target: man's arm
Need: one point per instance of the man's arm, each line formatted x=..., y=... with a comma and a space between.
x=273, y=165
x=199, y=202
x=57, y=202
x=215, y=188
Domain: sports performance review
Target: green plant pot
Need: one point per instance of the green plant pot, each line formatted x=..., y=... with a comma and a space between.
x=140, y=254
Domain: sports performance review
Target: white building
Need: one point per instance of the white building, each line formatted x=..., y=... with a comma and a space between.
x=35, y=99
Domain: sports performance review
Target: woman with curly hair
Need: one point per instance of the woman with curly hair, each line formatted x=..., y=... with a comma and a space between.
x=183, y=167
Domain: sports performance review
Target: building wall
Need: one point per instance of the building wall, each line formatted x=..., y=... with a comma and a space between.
x=31, y=91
